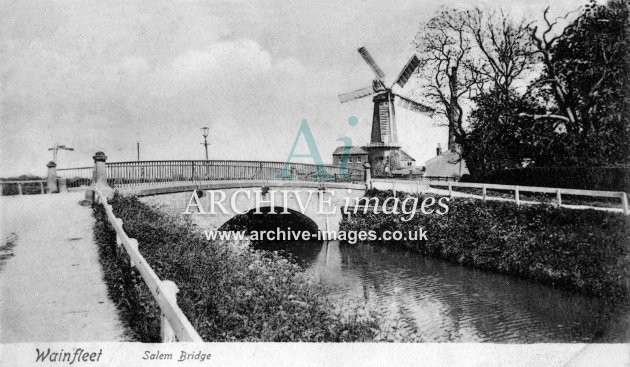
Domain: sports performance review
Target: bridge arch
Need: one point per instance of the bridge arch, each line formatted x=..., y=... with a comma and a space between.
x=302, y=197
x=293, y=220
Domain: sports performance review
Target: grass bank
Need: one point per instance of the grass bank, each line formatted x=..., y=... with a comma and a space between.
x=584, y=250
x=229, y=292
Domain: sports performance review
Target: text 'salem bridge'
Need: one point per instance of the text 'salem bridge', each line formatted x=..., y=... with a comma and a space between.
x=153, y=173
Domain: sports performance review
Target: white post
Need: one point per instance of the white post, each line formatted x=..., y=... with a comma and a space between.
x=118, y=239
x=166, y=331
x=484, y=192
x=624, y=203
x=19, y=188
x=450, y=189
x=134, y=245
x=559, y=198
x=517, y=196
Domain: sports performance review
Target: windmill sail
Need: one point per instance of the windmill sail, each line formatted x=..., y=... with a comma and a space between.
x=359, y=93
x=407, y=71
x=370, y=61
x=412, y=105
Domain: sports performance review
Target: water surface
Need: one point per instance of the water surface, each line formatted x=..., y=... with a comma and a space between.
x=443, y=302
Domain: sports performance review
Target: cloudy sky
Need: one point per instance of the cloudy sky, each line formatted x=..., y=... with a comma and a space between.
x=102, y=75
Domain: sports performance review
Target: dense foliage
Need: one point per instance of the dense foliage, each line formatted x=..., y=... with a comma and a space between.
x=228, y=291
x=584, y=250
x=589, y=75
x=587, y=178
x=547, y=92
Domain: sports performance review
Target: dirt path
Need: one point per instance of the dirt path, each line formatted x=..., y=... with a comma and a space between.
x=52, y=288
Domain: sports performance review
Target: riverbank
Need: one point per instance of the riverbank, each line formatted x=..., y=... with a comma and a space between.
x=228, y=291
x=582, y=250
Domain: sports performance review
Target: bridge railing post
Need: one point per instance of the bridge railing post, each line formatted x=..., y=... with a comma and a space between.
x=368, y=175
x=99, y=177
x=52, y=177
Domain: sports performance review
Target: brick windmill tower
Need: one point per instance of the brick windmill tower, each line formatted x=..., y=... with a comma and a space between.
x=384, y=149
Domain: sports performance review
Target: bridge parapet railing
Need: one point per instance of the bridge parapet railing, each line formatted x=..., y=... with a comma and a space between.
x=175, y=327
x=143, y=173
x=76, y=177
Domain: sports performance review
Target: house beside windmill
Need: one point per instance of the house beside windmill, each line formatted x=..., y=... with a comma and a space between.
x=383, y=152
x=446, y=164
x=356, y=156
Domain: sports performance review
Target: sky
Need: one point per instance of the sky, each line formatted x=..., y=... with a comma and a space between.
x=104, y=75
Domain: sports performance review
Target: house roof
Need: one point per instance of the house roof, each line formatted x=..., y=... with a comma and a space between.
x=446, y=165
x=405, y=157
x=352, y=151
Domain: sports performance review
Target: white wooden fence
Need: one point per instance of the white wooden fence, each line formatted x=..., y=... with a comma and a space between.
x=175, y=327
x=543, y=190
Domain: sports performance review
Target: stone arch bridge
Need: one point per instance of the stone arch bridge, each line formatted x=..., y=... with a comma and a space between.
x=227, y=188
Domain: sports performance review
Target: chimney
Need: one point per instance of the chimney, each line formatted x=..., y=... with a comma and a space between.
x=438, y=150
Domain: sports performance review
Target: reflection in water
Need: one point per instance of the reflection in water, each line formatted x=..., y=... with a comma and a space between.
x=444, y=302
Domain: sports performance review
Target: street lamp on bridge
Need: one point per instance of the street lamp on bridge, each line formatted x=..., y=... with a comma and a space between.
x=56, y=148
x=205, y=131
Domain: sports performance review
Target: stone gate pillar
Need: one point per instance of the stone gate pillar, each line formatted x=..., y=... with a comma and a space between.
x=52, y=177
x=99, y=178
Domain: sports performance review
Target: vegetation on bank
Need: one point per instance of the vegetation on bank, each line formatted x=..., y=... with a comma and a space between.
x=583, y=250
x=228, y=291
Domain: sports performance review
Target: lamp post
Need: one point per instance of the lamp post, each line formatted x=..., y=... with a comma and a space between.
x=205, y=131
x=56, y=148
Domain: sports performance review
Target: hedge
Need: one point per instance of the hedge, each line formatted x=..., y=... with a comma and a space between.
x=584, y=250
x=586, y=178
x=228, y=291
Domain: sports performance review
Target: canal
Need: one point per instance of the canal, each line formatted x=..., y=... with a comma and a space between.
x=441, y=302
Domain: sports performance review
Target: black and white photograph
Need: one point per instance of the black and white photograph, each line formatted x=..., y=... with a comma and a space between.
x=314, y=183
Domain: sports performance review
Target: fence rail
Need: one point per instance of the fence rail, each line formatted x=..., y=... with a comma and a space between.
x=542, y=190
x=143, y=173
x=174, y=324
x=16, y=187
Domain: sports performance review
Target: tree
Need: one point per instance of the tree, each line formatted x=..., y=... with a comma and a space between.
x=466, y=53
x=445, y=52
x=500, y=137
x=586, y=74
x=504, y=48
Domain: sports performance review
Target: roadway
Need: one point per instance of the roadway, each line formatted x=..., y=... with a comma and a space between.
x=52, y=289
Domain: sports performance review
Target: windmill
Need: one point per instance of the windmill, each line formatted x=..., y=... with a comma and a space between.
x=384, y=137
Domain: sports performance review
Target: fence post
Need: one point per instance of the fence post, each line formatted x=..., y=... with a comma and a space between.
x=119, y=249
x=393, y=187
x=450, y=189
x=484, y=192
x=52, y=177
x=559, y=197
x=134, y=245
x=624, y=203
x=368, y=175
x=167, y=333
x=41, y=186
x=19, y=188
x=517, y=198
x=99, y=177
